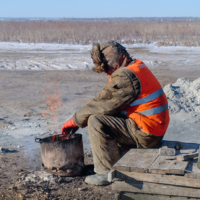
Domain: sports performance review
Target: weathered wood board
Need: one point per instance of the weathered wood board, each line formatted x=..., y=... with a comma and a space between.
x=136, y=196
x=157, y=178
x=138, y=160
x=149, y=161
x=164, y=166
x=145, y=171
x=153, y=188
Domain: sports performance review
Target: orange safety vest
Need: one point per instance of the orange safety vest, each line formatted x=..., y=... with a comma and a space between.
x=150, y=110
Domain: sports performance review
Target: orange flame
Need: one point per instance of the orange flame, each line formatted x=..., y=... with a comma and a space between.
x=52, y=102
x=59, y=138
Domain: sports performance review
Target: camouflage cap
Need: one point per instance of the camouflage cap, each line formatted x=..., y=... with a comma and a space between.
x=108, y=54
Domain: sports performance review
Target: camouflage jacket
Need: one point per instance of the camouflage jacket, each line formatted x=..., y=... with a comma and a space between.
x=117, y=95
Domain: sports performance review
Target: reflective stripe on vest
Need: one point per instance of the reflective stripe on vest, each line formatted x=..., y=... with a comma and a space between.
x=150, y=110
x=154, y=111
x=148, y=98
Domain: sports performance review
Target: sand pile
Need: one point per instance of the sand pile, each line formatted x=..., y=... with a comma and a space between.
x=183, y=95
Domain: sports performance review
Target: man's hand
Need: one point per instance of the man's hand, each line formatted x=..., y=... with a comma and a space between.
x=69, y=127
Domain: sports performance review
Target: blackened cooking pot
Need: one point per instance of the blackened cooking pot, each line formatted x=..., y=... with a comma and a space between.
x=63, y=153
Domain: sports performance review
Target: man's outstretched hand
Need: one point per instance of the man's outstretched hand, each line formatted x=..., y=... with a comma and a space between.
x=69, y=127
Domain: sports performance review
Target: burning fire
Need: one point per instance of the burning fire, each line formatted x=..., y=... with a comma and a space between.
x=53, y=101
x=59, y=137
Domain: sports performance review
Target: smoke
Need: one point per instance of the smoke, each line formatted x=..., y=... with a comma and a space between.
x=32, y=154
x=52, y=100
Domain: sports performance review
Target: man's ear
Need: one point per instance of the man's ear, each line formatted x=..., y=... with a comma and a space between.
x=124, y=64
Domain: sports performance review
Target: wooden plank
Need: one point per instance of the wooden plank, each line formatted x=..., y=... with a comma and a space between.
x=160, y=165
x=163, y=165
x=157, y=178
x=177, y=167
x=138, y=160
x=153, y=188
x=192, y=171
x=131, y=195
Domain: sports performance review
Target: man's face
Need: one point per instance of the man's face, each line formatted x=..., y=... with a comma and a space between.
x=112, y=69
x=109, y=53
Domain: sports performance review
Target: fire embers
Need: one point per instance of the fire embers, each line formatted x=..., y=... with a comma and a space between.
x=70, y=134
x=55, y=138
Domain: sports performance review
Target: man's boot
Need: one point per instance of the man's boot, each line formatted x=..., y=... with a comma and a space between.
x=97, y=179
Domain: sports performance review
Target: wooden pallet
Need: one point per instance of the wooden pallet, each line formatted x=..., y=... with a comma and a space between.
x=145, y=171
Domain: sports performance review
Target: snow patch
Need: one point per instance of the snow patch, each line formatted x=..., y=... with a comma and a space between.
x=44, y=56
x=164, y=49
x=183, y=95
x=42, y=46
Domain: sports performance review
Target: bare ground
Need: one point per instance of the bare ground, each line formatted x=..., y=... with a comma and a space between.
x=22, y=100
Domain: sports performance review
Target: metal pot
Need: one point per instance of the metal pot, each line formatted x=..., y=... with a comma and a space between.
x=63, y=153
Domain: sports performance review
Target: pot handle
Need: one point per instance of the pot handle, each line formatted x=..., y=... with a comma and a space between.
x=38, y=140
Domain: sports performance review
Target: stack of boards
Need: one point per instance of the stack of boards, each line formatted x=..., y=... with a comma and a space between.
x=145, y=174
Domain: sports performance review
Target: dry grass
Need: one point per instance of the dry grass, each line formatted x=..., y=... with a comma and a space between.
x=185, y=33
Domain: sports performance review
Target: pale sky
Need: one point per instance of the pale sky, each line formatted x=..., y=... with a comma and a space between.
x=99, y=9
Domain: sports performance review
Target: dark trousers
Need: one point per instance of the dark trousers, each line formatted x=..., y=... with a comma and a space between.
x=112, y=136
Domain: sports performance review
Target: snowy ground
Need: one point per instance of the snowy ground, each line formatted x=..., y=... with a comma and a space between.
x=22, y=56
x=22, y=97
